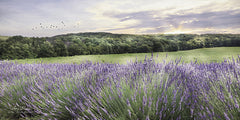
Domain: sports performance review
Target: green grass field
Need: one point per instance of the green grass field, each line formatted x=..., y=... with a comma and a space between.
x=4, y=37
x=202, y=55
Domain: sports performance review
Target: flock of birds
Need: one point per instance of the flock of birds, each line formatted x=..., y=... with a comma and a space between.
x=42, y=26
x=50, y=29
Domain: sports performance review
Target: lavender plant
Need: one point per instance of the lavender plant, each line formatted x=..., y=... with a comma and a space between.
x=140, y=90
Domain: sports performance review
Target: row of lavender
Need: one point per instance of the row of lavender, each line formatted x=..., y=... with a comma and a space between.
x=138, y=90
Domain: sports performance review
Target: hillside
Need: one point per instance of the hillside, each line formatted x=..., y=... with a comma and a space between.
x=18, y=47
x=206, y=55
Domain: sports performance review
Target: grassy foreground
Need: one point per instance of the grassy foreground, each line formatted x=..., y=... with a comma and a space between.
x=201, y=55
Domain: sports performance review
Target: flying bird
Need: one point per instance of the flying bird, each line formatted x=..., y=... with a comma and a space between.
x=63, y=23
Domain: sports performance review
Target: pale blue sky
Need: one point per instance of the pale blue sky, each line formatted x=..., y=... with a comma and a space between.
x=52, y=17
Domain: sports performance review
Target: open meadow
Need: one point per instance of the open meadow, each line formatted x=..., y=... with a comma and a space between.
x=216, y=54
x=149, y=89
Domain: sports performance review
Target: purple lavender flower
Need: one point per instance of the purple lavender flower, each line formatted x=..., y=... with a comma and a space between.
x=226, y=116
x=128, y=102
x=93, y=88
x=129, y=113
x=144, y=102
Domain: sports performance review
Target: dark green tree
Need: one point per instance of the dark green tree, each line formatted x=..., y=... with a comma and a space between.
x=46, y=50
x=60, y=48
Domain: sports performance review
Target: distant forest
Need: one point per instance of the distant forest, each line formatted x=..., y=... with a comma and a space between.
x=19, y=47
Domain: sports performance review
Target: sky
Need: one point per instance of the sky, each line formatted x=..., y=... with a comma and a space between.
x=41, y=18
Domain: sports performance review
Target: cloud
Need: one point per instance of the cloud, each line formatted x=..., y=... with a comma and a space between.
x=189, y=20
x=162, y=16
x=135, y=16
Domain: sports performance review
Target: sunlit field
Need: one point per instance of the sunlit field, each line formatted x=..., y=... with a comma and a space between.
x=144, y=90
x=201, y=55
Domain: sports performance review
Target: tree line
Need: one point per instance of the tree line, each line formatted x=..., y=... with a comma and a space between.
x=19, y=47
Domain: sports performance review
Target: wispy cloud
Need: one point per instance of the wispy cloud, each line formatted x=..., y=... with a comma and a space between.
x=40, y=18
x=194, y=19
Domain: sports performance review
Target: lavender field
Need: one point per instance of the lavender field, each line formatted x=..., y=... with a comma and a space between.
x=145, y=90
